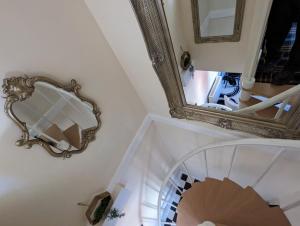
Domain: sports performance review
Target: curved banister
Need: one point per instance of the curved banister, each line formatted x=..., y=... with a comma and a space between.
x=271, y=101
x=284, y=144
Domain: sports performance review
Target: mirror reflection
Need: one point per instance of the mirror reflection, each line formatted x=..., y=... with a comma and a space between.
x=280, y=59
x=55, y=116
x=215, y=82
x=222, y=90
x=212, y=89
x=216, y=18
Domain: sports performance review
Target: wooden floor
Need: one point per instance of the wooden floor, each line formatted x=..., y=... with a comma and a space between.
x=225, y=203
x=267, y=90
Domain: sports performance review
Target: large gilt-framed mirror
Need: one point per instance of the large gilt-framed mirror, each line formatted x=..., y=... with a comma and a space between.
x=217, y=21
x=215, y=97
x=50, y=114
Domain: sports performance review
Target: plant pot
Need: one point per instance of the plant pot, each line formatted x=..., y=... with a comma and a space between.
x=99, y=208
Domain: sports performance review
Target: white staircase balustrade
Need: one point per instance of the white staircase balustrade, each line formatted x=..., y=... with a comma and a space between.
x=170, y=183
x=283, y=98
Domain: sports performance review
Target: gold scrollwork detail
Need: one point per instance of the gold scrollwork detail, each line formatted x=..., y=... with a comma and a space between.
x=20, y=88
x=225, y=123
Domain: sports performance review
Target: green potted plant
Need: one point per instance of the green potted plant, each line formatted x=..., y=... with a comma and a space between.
x=101, y=210
x=98, y=208
x=114, y=214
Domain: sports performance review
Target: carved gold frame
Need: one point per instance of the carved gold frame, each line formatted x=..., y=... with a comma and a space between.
x=153, y=23
x=238, y=24
x=21, y=88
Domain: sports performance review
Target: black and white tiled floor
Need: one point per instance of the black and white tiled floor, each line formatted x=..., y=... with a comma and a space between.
x=184, y=184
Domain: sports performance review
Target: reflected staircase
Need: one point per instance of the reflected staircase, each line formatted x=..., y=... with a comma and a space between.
x=282, y=96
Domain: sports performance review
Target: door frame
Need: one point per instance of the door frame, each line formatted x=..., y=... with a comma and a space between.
x=255, y=41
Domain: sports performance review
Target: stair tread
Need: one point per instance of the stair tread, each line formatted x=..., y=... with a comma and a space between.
x=249, y=200
x=227, y=192
x=276, y=216
x=228, y=204
x=186, y=216
x=193, y=200
x=268, y=217
x=242, y=197
x=212, y=187
x=269, y=90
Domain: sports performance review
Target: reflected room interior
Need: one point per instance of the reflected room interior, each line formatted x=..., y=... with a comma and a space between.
x=55, y=116
x=212, y=89
x=221, y=90
x=216, y=18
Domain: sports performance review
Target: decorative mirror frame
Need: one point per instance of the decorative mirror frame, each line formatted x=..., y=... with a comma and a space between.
x=20, y=88
x=238, y=24
x=154, y=26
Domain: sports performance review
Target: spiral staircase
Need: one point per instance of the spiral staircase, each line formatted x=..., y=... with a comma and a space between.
x=215, y=197
x=228, y=203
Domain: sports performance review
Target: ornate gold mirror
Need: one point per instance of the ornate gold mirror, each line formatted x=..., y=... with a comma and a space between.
x=217, y=21
x=53, y=115
x=224, y=98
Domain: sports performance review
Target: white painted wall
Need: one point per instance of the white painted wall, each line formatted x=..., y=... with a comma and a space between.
x=119, y=25
x=258, y=28
x=174, y=17
x=224, y=4
x=221, y=26
x=293, y=216
x=234, y=56
x=219, y=56
x=60, y=38
x=217, y=17
x=204, y=8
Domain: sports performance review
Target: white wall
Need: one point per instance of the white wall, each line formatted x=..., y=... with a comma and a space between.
x=221, y=26
x=61, y=39
x=219, y=56
x=228, y=56
x=174, y=17
x=119, y=25
x=232, y=56
x=256, y=35
x=203, y=9
x=224, y=4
